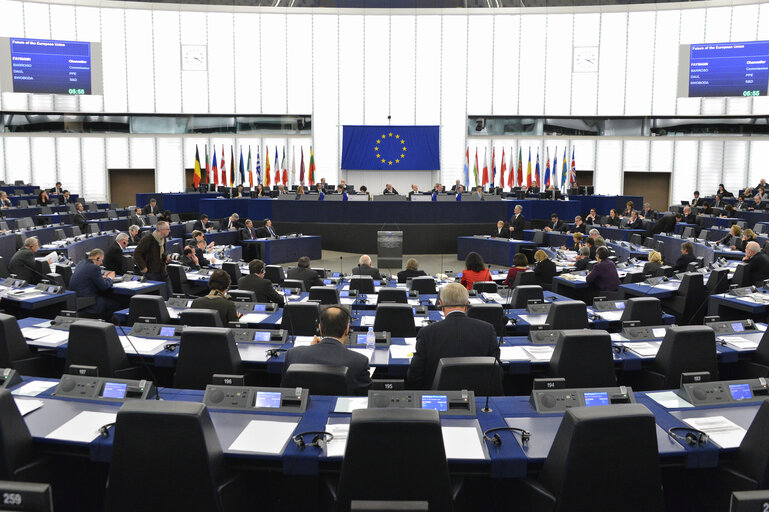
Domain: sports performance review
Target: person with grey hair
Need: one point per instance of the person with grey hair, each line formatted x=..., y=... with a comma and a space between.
x=23, y=262
x=234, y=222
x=389, y=190
x=364, y=268
x=647, y=212
x=517, y=223
x=583, y=258
x=113, y=259
x=457, y=335
x=134, y=235
x=151, y=255
x=87, y=281
x=758, y=263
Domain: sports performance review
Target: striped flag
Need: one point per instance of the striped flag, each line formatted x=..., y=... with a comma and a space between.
x=564, y=171
x=267, y=177
x=277, y=167
x=208, y=166
x=555, y=169
x=293, y=165
x=493, y=166
x=232, y=166
x=536, y=170
x=250, y=173
x=475, y=167
x=466, y=169
x=502, y=169
x=520, y=165
x=221, y=166
x=573, y=173
x=196, y=174
x=215, y=169
x=528, y=171
x=547, y=168
x=242, y=168
x=485, y=169
x=258, y=167
x=311, y=170
x=285, y=168
x=301, y=167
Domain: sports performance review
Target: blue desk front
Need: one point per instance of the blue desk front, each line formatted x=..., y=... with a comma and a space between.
x=176, y=202
x=498, y=251
x=285, y=250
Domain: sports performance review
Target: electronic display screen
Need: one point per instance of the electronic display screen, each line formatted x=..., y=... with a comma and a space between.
x=336, y=274
x=738, y=327
x=436, y=402
x=327, y=281
x=268, y=399
x=740, y=391
x=114, y=390
x=261, y=336
x=167, y=331
x=619, y=305
x=723, y=69
x=377, y=283
x=260, y=307
x=51, y=289
x=596, y=398
x=287, y=291
x=344, y=293
x=135, y=278
x=17, y=283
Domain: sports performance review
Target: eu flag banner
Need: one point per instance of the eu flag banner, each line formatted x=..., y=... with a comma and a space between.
x=394, y=148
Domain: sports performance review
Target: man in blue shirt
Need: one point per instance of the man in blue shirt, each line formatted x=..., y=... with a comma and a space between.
x=88, y=281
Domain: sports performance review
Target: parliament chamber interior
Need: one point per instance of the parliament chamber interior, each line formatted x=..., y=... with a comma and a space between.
x=384, y=256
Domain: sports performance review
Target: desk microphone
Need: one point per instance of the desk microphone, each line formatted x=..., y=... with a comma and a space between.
x=142, y=361
x=486, y=408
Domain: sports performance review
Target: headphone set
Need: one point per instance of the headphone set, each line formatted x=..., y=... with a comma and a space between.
x=104, y=430
x=496, y=440
x=693, y=437
x=320, y=438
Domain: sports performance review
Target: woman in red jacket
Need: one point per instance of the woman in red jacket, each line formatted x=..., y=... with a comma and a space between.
x=475, y=270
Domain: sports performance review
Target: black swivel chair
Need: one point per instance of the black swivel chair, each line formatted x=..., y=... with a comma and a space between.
x=718, y=282
x=14, y=352
x=584, y=357
x=65, y=271
x=397, y=319
x=364, y=284
x=148, y=306
x=612, y=451
x=491, y=313
x=567, y=314
x=180, y=284
x=93, y=343
x=523, y=294
x=688, y=303
x=19, y=459
x=233, y=269
x=393, y=436
x=246, y=295
x=300, y=318
x=741, y=276
x=4, y=268
x=647, y=310
x=485, y=286
x=683, y=349
x=175, y=449
x=324, y=294
x=198, y=317
x=396, y=295
x=754, y=367
x=297, y=284
x=423, y=284
x=320, y=379
x=204, y=351
x=483, y=375
x=274, y=273
x=526, y=278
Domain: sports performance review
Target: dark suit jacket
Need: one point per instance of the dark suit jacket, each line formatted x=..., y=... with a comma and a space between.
x=64, y=200
x=134, y=240
x=403, y=275
x=148, y=209
x=603, y=276
x=188, y=262
x=581, y=264
x=456, y=336
x=638, y=224
x=331, y=351
x=365, y=270
x=309, y=276
x=146, y=255
x=262, y=287
x=556, y=226
x=690, y=219
x=79, y=220
x=613, y=222
x=248, y=234
x=87, y=281
x=582, y=228
x=651, y=267
x=113, y=258
x=517, y=225
x=683, y=261
x=263, y=232
x=22, y=264
x=135, y=220
x=666, y=224
x=696, y=202
x=650, y=215
x=225, y=307
x=758, y=266
x=544, y=271
x=388, y=192
x=238, y=224
x=202, y=260
x=198, y=226
x=501, y=233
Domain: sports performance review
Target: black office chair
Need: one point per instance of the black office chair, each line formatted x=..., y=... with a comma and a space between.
x=567, y=314
x=635, y=239
x=274, y=273
x=765, y=248
x=483, y=375
x=198, y=317
x=174, y=447
x=233, y=269
x=649, y=242
x=718, y=282
x=14, y=352
x=65, y=271
x=242, y=295
x=19, y=460
x=692, y=267
x=324, y=294
x=485, y=286
x=491, y=313
x=364, y=284
x=392, y=437
x=4, y=268
x=397, y=319
x=424, y=284
x=523, y=294
x=688, y=232
x=659, y=246
x=300, y=318
x=683, y=349
x=584, y=357
x=180, y=284
x=93, y=343
x=647, y=310
x=396, y=295
x=204, y=351
x=320, y=379
x=294, y=283
x=539, y=237
x=148, y=306
x=687, y=305
x=612, y=451
x=741, y=276
x=526, y=278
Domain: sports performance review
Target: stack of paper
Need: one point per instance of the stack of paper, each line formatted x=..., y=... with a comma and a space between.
x=145, y=346
x=540, y=352
x=301, y=341
x=131, y=285
x=643, y=348
x=741, y=343
x=720, y=430
x=52, y=339
x=513, y=354
x=253, y=318
x=401, y=351
x=264, y=436
x=367, y=321
x=84, y=427
x=366, y=352
x=34, y=388
x=336, y=447
x=462, y=443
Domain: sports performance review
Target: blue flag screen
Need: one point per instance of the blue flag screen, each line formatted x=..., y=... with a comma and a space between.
x=394, y=148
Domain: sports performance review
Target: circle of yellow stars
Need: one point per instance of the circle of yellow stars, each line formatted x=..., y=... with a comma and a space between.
x=400, y=141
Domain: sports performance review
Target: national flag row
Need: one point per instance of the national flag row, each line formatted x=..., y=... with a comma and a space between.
x=516, y=177
x=215, y=172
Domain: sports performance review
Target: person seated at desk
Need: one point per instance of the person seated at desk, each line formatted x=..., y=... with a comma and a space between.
x=758, y=263
x=217, y=298
x=590, y=244
x=592, y=218
x=475, y=270
x=234, y=223
x=613, y=221
x=57, y=189
x=364, y=191
x=665, y=224
x=579, y=226
x=64, y=198
x=165, y=216
x=238, y=192
x=460, y=191
x=478, y=193
x=748, y=236
x=687, y=256
x=734, y=238
x=634, y=222
x=134, y=235
x=555, y=224
x=652, y=267
x=583, y=258
x=43, y=199
x=647, y=213
x=266, y=231
x=137, y=218
x=604, y=276
x=248, y=232
x=256, y=283
x=457, y=335
x=414, y=190
x=596, y=235
x=88, y=281
x=455, y=186
x=412, y=270
x=198, y=236
x=577, y=239
x=259, y=192
x=389, y=190
x=200, y=251
x=728, y=212
x=689, y=216
x=722, y=192
x=761, y=192
x=342, y=191
x=4, y=201
x=319, y=189
x=23, y=262
x=78, y=218
x=520, y=264
x=501, y=231
x=113, y=258
x=706, y=209
x=757, y=203
x=152, y=208
x=544, y=270
x=628, y=209
x=517, y=223
x=761, y=184
x=303, y=272
x=696, y=201
x=329, y=348
x=299, y=192
x=203, y=224
x=188, y=258
x=740, y=204
x=718, y=202
x=364, y=268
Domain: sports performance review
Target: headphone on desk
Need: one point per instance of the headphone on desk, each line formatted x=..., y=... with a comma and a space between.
x=693, y=437
x=497, y=440
x=320, y=438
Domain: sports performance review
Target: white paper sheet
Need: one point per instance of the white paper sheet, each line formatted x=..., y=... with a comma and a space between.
x=347, y=404
x=145, y=346
x=33, y=333
x=302, y=341
x=84, y=427
x=534, y=319
x=27, y=406
x=131, y=285
x=611, y=316
x=254, y=318
x=421, y=321
x=336, y=447
x=52, y=340
x=413, y=302
x=366, y=352
x=410, y=341
x=495, y=297
x=644, y=348
x=367, y=320
x=462, y=443
x=615, y=336
x=34, y=388
x=513, y=354
x=741, y=343
x=401, y=351
x=721, y=431
x=659, y=332
x=475, y=300
x=264, y=436
x=669, y=399
x=347, y=301
x=540, y=353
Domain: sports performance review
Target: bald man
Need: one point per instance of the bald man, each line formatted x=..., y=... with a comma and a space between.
x=758, y=263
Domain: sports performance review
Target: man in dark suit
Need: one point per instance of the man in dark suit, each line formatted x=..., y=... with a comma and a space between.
x=64, y=198
x=501, y=231
x=303, y=272
x=583, y=258
x=665, y=224
x=364, y=268
x=203, y=224
x=412, y=271
x=517, y=223
x=152, y=208
x=456, y=186
x=330, y=348
x=134, y=234
x=137, y=218
x=719, y=202
x=555, y=224
x=248, y=232
x=57, y=189
x=200, y=251
x=256, y=283
x=456, y=336
x=647, y=213
x=740, y=204
x=88, y=281
x=113, y=259
x=689, y=217
x=389, y=190
x=758, y=263
x=188, y=258
x=23, y=261
x=217, y=298
x=696, y=200
x=266, y=231
x=78, y=218
x=634, y=222
x=687, y=256
x=234, y=222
